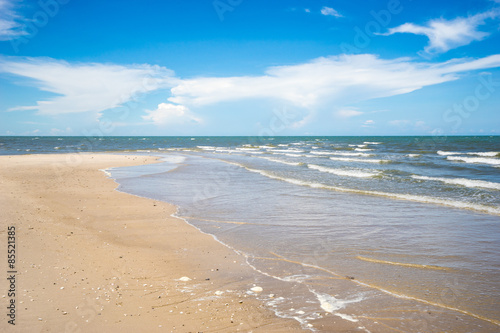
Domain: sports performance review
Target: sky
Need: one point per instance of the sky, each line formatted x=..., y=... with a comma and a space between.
x=249, y=67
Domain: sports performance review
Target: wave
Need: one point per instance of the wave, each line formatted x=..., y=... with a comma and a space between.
x=366, y=160
x=479, y=153
x=462, y=181
x=245, y=149
x=397, y=196
x=287, y=151
x=413, y=155
x=339, y=153
x=480, y=160
x=341, y=172
x=447, y=153
x=372, y=143
x=486, y=154
x=363, y=149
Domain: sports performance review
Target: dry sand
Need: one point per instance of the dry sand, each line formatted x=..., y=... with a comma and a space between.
x=92, y=259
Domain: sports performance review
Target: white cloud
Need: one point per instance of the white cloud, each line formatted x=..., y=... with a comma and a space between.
x=170, y=114
x=307, y=10
x=336, y=80
x=445, y=35
x=86, y=87
x=327, y=11
x=348, y=113
x=368, y=123
x=9, y=27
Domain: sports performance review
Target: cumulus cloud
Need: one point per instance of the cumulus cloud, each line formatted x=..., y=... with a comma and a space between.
x=335, y=80
x=328, y=11
x=171, y=114
x=445, y=35
x=85, y=87
x=9, y=27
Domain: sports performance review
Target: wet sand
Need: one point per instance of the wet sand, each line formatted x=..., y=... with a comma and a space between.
x=90, y=258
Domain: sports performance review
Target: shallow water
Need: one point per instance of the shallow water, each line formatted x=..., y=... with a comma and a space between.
x=373, y=245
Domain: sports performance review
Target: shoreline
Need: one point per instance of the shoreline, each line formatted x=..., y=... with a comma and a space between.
x=91, y=257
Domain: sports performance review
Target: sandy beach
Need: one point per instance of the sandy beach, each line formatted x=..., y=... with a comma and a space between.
x=90, y=258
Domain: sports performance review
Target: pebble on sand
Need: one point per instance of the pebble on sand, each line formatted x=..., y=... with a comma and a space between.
x=256, y=289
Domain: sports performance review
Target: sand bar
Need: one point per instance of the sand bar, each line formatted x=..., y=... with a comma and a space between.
x=89, y=258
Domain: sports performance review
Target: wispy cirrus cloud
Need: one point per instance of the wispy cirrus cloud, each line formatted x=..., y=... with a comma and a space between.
x=85, y=87
x=9, y=25
x=324, y=82
x=445, y=35
x=336, y=80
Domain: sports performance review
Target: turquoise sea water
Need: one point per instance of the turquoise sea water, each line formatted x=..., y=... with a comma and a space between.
x=387, y=233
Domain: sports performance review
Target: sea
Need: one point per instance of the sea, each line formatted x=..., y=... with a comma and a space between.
x=386, y=234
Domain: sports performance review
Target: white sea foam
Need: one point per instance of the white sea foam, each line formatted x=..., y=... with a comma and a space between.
x=331, y=304
x=462, y=181
x=341, y=172
x=254, y=152
x=106, y=171
x=485, y=153
x=447, y=153
x=413, y=155
x=479, y=160
x=322, y=152
x=282, y=151
x=347, y=317
x=362, y=146
x=206, y=147
x=372, y=143
x=353, y=154
x=480, y=153
x=218, y=150
x=363, y=149
x=245, y=148
x=365, y=160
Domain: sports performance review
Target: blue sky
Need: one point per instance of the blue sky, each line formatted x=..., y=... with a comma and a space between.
x=249, y=67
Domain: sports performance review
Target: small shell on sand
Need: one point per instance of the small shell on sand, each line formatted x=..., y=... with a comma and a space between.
x=256, y=289
x=218, y=292
x=184, y=278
